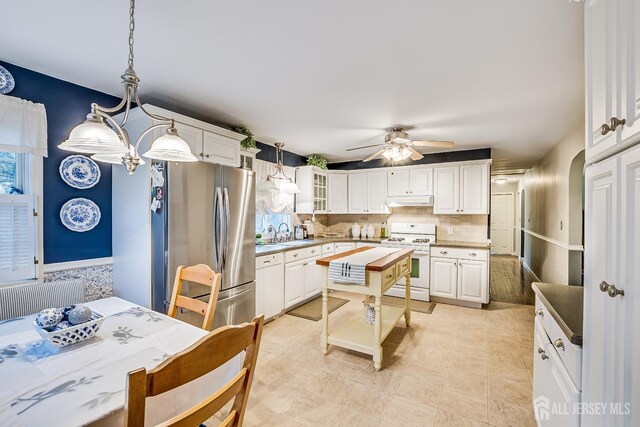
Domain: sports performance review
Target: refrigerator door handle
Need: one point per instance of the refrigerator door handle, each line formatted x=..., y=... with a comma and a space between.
x=226, y=227
x=217, y=229
x=235, y=295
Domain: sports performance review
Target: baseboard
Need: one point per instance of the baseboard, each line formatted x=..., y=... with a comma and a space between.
x=531, y=271
x=73, y=265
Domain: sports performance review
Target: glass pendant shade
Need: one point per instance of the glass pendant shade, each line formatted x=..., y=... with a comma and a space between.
x=289, y=188
x=171, y=148
x=397, y=154
x=267, y=187
x=93, y=136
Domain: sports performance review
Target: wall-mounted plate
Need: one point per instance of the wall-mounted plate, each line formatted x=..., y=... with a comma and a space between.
x=80, y=215
x=79, y=171
x=6, y=81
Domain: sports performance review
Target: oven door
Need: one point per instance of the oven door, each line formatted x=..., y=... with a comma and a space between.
x=419, y=279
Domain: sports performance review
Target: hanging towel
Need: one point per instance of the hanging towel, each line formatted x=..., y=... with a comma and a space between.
x=351, y=268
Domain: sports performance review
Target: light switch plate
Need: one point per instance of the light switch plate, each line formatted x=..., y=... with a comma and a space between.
x=450, y=231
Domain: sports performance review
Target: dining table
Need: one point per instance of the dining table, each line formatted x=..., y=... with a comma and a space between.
x=84, y=383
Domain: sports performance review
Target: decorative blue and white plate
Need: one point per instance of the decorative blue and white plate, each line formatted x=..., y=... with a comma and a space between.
x=79, y=171
x=80, y=215
x=6, y=81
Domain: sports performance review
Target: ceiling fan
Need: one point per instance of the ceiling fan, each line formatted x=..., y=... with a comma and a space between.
x=398, y=146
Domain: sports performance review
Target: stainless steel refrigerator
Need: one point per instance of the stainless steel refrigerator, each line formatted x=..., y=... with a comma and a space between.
x=209, y=218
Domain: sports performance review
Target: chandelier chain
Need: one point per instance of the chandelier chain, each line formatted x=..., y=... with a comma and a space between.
x=132, y=26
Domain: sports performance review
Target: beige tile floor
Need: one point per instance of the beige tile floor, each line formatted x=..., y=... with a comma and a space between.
x=455, y=367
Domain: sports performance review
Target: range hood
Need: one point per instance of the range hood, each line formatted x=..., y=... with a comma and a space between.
x=410, y=201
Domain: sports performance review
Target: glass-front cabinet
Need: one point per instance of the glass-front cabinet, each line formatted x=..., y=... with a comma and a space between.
x=312, y=182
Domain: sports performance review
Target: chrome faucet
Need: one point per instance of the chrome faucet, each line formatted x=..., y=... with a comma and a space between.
x=281, y=239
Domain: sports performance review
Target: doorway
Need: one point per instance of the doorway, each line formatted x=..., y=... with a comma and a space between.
x=502, y=224
x=521, y=225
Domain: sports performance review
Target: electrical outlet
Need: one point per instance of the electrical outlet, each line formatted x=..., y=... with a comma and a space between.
x=450, y=231
x=560, y=225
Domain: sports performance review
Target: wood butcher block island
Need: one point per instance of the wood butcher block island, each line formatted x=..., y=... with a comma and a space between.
x=380, y=275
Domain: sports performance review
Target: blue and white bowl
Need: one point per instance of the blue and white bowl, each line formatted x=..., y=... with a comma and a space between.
x=79, y=171
x=80, y=215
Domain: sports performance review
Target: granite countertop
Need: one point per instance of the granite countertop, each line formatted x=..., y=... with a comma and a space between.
x=273, y=248
x=458, y=244
x=565, y=305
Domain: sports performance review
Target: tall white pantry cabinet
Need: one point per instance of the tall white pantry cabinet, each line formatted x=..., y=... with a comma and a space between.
x=611, y=343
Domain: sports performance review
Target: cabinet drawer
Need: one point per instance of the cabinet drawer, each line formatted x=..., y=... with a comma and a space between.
x=327, y=248
x=543, y=315
x=389, y=276
x=460, y=253
x=403, y=267
x=570, y=354
x=269, y=260
x=303, y=253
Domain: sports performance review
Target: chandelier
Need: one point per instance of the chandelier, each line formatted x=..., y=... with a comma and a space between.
x=101, y=135
x=279, y=182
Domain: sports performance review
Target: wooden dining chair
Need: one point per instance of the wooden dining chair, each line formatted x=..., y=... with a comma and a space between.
x=209, y=353
x=201, y=274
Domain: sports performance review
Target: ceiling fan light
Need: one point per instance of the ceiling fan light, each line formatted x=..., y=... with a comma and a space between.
x=397, y=154
x=170, y=148
x=93, y=136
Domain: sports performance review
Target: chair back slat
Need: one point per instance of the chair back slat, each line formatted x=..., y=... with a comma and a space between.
x=201, y=274
x=209, y=353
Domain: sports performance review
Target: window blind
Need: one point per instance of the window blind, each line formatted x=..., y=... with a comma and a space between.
x=17, y=245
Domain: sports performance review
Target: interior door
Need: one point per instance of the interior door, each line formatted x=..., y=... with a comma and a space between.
x=421, y=182
x=398, y=183
x=357, y=192
x=472, y=280
x=474, y=189
x=447, y=190
x=376, y=196
x=443, y=277
x=502, y=223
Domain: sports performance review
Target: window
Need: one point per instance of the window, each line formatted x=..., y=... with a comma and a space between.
x=18, y=240
x=263, y=221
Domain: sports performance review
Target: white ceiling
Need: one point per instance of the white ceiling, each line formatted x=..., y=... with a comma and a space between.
x=328, y=75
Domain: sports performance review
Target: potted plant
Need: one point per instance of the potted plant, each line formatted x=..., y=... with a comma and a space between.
x=318, y=161
x=249, y=142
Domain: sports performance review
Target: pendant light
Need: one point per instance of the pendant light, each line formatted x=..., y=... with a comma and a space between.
x=101, y=135
x=279, y=182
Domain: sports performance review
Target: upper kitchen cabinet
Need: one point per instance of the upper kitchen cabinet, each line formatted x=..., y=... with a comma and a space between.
x=218, y=148
x=612, y=43
x=312, y=198
x=461, y=189
x=410, y=182
x=366, y=192
x=338, y=192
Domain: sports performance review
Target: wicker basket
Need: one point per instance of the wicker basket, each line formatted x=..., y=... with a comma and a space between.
x=73, y=334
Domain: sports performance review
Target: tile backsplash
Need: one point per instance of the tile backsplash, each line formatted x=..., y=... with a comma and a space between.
x=468, y=228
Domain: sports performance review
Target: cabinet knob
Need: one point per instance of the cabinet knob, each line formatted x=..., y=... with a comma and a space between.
x=444, y=252
x=614, y=292
x=542, y=353
x=604, y=286
x=313, y=251
x=539, y=312
x=201, y=154
x=295, y=255
x=389, y=276
x=207, y=156
x=615, y=122
x=473, y=254
x=605, y=129
x=559, y=343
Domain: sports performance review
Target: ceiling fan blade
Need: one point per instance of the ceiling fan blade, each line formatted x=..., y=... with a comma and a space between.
x=436, y=144
x=366, y=146
x=415, y=155
x=373, y=156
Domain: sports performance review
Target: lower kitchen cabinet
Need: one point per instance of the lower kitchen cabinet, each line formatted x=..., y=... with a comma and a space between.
x=472, y=280
x=344, y=247
x=270, y=285
x=294, y=291
x=312, y=278
x=459, y=273
x=302, y=277
x=443, y=277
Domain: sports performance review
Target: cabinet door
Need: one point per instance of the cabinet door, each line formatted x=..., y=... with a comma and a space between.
x=443, y=277
x=338, y=193
x=630, y=32
x=421, y=182
x=357, y=192
x=604, y=348
x=398, y=183
x=293, y=283
x=472, y=281
x=193, y=136
x=312, y=277
x=474, y=189
x=221, y=149
x=344, y=247
x=320, y=192
x=270, y=290
x=447, y=190
x=376, y=196
x=601, y=56
x=630, y=272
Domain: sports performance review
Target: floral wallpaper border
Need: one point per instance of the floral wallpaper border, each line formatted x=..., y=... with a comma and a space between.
x=98, y=279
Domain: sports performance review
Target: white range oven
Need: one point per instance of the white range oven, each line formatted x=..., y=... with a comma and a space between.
x=417, y=237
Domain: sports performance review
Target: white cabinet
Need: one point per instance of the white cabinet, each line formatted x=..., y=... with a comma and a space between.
x=220, y=149
x=344, y=247
x=410, y=182
x=367, y=192
x=294, y=290
x=462, y=189
x=338, y=194
x=270, y=285
x=472, y=280
x=443, y=281
x=612, y=37
x=312, y=182
x=459, y=273
x=312, y=277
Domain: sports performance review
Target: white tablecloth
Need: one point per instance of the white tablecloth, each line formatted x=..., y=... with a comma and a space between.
x=85, y=383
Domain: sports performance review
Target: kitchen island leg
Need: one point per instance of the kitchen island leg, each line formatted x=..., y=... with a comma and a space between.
x=325, y=320
x=377, y=354
x=407, y=299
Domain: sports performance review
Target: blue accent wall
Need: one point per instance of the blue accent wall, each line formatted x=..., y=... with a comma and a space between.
x=268, y=154
x=67, y=105
x=445, y=157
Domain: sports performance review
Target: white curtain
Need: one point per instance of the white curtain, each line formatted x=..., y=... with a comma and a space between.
x=23, y=126
x=268, y=203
